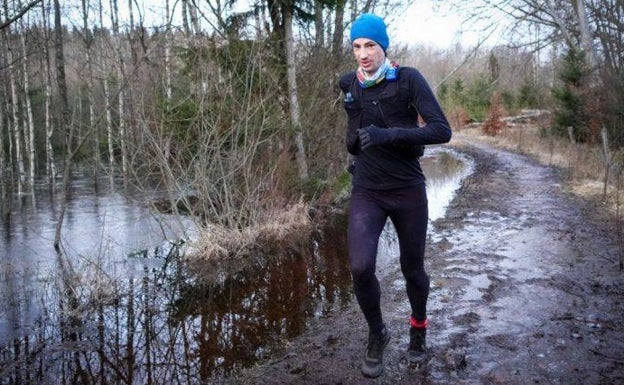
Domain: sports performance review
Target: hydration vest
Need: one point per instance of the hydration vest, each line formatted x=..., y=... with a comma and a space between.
x=395, y=108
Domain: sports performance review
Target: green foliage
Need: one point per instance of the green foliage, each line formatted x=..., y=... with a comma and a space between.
x=473, y=98
x=570, y=109
x=528, y=96
x=508, y=100
x=457, y=91
x=343, y=181
x=468, y=98
x=179, y=117
x=235, y=96
x=453, y=96
x=477, y=98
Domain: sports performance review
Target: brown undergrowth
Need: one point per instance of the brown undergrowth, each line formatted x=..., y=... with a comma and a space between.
x=583, y=163
x=219, y=248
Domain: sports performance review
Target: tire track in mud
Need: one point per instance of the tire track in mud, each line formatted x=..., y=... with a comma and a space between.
x=524, y=291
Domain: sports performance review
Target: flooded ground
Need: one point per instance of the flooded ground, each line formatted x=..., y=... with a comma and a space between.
x=526, y=289
x=119, y=307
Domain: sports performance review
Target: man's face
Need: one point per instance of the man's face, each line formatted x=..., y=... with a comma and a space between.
x=369, y=55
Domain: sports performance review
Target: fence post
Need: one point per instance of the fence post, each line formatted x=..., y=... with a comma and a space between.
x=607, y=159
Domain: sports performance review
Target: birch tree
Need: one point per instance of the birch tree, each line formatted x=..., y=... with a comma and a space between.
x=47, y=94
x=121, y=88
x=281, y=15
x=168, y=91
x=66, y=122
x=88, y=41
x=107, y=100
x=587, y=40
x=21, y=11
x=3, y=180
x=292, y=93
x=28, y=125
x=15, y=141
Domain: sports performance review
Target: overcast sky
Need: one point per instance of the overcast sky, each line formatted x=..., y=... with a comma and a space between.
x=422, y=23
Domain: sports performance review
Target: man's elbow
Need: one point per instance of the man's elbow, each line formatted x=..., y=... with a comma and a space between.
x=444, y=134
x=448, y=134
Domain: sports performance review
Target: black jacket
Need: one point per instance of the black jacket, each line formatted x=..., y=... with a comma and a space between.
x=394, y=105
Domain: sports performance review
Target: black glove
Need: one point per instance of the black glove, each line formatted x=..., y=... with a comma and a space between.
x=373, y=136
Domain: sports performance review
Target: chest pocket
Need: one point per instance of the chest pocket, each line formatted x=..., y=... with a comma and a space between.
x=392, y=107
x=396, y=106
x=352, y=106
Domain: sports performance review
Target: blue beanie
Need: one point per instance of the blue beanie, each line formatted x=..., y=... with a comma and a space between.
x=372, y=27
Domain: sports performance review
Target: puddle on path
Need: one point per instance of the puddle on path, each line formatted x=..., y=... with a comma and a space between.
x=157, y=325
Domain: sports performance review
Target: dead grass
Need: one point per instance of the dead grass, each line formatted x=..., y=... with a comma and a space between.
x=282, y=228
x=583, y=163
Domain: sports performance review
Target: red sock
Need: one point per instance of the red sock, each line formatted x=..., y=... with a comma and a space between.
x=418, y=324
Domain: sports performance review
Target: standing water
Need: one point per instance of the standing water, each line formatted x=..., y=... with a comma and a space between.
x=119, y=306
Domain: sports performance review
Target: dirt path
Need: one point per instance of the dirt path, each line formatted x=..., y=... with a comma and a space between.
x=525, y=290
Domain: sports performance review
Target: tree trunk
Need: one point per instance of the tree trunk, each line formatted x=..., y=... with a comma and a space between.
x=587, y=40
x=185, y=18
x=65, y=116
x=29, y=125
x=319, y=27
x=292, y=93
x=15, y=140
x=47, y=96
x=3, y=190
x=338, y=29
x=120, y=92
x=127, y=104
x=552, y=8
x=192, y=7
x=168, y=92
x=92, y=124
x=108, y=111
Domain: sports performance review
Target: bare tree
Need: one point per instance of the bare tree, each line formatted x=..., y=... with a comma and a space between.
x=66, y=122
x=87, y=37
x=168, y=90
x=3, y=181
x=185, y=17
x=47, y=94
x=192, y=11
x=18, y=15
x=338, y=28
x=29, y=124
x=292, y=93
x=15, y=139
x=121, y=94
x=608, y=18
x=587, y=39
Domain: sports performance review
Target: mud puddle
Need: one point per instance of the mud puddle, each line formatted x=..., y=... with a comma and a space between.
x=155, y=324
x=525, y=290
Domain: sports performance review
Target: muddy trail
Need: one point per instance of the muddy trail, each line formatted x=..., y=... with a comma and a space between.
x=526, y=289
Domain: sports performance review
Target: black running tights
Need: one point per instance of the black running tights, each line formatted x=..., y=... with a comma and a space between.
x=369, y=210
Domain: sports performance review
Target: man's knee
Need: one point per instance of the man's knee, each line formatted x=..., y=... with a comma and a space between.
x=362, y=273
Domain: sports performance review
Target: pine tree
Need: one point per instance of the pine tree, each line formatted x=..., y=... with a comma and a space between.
x=570, y=111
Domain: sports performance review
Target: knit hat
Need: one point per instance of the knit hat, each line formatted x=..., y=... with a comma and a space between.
x=372, y=27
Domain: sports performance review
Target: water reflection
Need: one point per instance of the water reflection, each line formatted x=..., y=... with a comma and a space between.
x=445, y=170
x=164, y=325
x=91, y=316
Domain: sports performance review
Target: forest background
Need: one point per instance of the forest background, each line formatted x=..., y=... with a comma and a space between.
x=233, y=109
